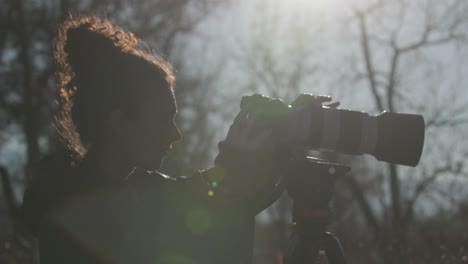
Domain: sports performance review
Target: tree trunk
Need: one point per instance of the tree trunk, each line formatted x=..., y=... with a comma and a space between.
x=398, y=236
x=30, y=111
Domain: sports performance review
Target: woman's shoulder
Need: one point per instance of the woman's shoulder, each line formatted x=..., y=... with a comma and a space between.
x=178, y=191
x=51, y=182
x=156, y=179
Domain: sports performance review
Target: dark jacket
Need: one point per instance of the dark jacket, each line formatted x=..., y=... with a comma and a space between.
x=87, y=217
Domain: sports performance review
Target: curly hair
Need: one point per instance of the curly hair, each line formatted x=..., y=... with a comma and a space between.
x=100, y=67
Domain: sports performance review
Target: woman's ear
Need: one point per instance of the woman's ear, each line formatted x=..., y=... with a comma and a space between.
x=120, y=125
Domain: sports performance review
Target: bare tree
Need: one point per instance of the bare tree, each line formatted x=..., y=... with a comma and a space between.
x=397, y=41
x=278, y=55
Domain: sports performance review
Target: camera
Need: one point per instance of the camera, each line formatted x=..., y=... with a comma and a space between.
x=391, y=137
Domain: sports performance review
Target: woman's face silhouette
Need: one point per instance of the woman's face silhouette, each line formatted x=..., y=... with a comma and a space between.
x=147, y=137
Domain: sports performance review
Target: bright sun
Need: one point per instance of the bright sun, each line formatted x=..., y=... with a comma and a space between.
x=310, y=6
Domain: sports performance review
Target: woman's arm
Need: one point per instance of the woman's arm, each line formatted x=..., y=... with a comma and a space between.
x=56, y=246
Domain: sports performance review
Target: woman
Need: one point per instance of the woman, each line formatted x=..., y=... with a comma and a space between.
x=117, y=116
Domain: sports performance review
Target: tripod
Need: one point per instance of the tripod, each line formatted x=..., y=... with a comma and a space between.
x=310, y=184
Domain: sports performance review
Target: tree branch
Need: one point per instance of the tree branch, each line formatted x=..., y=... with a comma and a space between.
x=364, y=205
x=368, y=60
x=422, y=186
x=12, y=204
x=392, y=79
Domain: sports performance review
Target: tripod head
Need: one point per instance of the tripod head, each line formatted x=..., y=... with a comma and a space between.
x=310, y=184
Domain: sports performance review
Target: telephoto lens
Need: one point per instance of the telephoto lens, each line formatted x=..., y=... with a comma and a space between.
x=392, y=137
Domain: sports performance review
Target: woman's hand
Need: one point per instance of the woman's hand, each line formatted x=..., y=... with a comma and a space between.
x=248, y=134
x=295, y=134
x=253, y=149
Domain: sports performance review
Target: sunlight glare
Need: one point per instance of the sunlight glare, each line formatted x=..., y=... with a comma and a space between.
x=310, y=5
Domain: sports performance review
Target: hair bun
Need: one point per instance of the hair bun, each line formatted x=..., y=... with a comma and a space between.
x=87, y=50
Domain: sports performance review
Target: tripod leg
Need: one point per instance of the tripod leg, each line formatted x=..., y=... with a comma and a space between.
x=300, y=251
x=333, y=249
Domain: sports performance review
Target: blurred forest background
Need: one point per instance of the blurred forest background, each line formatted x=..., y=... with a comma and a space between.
x=372, y=55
